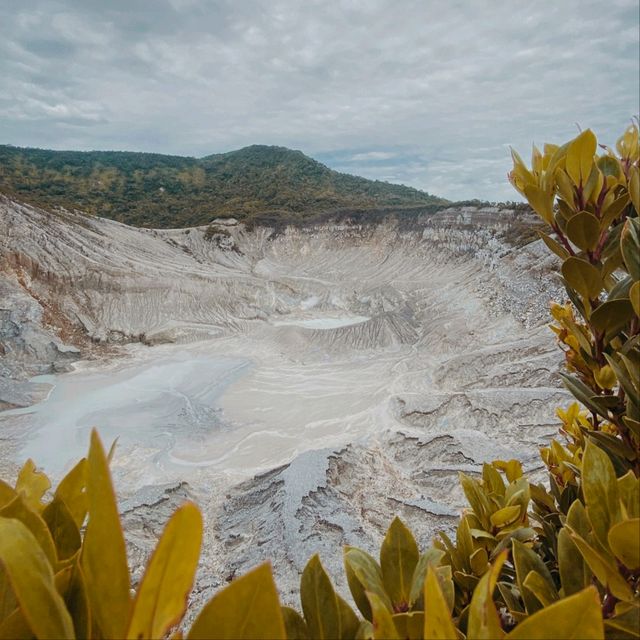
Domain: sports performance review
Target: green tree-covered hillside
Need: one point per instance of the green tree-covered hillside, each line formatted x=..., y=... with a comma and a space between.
x=155, y=190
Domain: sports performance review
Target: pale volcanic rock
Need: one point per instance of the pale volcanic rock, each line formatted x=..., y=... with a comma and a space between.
x=303, y=387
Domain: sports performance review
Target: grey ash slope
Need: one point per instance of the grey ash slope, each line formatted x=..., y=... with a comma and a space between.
x=449, y=364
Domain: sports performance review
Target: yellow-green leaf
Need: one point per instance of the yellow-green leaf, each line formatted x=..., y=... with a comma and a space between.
x=525, y=561
x=21, y=511
x=600, y=488
x=506, y=515
x=437, y=619
x=364, y=574
x=63, y=528
x=248, y=609
x=541, y=202
x=541, y=588
x=580, y=157
x=72, y=491
x=294, y=624
x=630, y=246
x=349, y=621
x=634, y=296
x=574, y=618
x=104, y=547
x=32, y=581
x=319, y=601
x=582, y=276
x=484, y=622
x=583, y=230
x=574, y=574
x=612, y=316
x=398, y=559
x=32, y=484
x=431, y=557
x=624, y=540
x=410, y=626
x=383, y=627
x=604, y=568
x=162, y=596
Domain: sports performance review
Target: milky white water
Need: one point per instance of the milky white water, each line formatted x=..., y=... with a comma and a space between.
x=322, y=323
x=180, y=410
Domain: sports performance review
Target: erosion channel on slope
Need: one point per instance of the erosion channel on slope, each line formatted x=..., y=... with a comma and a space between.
x=303, y=387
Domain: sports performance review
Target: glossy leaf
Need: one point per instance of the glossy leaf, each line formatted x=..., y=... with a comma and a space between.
x=32, y=581
x=582, y=276
x=294, y=624
x=579, y=158
x=600, y=488
x=72, y=491
x=583, y=229
x=630, y=247
x=364, y=574
x=574, y=618
x=63, y=528
x=319, y=601
x=437, y=619
x=104, y=547
x=624, y=540
x=162, y=596
x=525, y=561
x=484, y=622
x=247, y=609
x=383, y=626
x=398, y=559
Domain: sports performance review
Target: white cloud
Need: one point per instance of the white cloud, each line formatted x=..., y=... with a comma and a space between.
x=426, y=93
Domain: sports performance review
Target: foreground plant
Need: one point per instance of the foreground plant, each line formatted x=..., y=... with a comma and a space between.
x=526, y=562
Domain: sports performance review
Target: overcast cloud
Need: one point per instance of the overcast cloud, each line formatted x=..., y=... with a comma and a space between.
x=429, y=93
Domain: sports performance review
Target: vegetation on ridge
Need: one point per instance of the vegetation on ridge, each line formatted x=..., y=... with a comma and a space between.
x=528, y=561
x=154, y=190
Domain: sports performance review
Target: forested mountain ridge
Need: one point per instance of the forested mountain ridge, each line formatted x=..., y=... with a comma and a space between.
x=155, y=190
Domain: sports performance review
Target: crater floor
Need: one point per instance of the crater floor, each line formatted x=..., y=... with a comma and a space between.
x=303, y=388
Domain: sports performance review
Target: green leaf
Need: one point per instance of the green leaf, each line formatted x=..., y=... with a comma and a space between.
x=72, y=491
x=319, y=601
x=624, y=540
x=583, y=229
x=63, y=528
x=541, y=588
x=600, y=488
x=583, y=277
x=634, y=296
x=31, y=579
x=398, y=559
x=430, y=558
x=630, y=247
x=584, y=394
x=104, y=547
x=554, y=246
x=7, y=493
x=525, y=561
x=484, y=622
x=409, y=626
x=248, y=609
x=573, y=618
x=574, y=574
x=364, y=574
x=478, y=501
x=437, y=619
x=294, y=624
x=383, y=626
x=629, y=489
x=613, y=211
x=162, y=596
x=579, y=158
x=349, y=622
x=603, y=567
x=612, y=316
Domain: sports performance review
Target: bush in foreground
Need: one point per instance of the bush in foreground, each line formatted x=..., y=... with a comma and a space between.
x=528, y=561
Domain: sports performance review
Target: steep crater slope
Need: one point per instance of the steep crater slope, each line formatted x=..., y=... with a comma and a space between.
x=372, y=363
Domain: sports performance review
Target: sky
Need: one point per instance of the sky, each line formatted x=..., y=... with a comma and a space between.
x=429, y=93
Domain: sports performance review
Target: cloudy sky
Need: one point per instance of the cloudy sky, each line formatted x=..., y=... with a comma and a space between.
x=430, y=93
